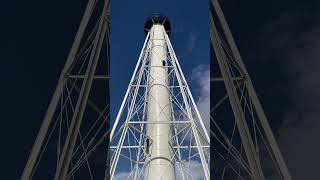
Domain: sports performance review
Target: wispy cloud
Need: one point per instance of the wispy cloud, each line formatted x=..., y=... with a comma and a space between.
x=178, y=28
x=195, y=173
x=190, y=170
x=201, y=77
x=192, y=39
x=122, y=175
x=295, y=42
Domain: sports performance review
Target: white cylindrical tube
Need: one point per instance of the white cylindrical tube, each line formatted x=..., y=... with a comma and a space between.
x=159, y=164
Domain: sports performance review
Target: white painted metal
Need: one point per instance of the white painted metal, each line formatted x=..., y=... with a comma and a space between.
x=196, y=135
x=118, y=150
x=188, y=91
x=159, y=152
x=158, y=133
x=127, y=92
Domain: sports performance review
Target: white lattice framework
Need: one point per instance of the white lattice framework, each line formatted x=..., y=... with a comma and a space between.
x=190, y=140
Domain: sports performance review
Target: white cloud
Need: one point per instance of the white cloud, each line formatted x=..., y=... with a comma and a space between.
x=192, y=39
x=196, y=171
x=121, y=175
x=201, y=76
x=298, y=49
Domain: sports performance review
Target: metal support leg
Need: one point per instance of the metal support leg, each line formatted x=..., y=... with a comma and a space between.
x=56, y=96
x=182, y=81
x=244, y=132
x=257, y=105
x=66, y=155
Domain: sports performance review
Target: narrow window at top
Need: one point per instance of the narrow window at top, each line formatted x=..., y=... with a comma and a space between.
x=147, y=145
x=163, y=63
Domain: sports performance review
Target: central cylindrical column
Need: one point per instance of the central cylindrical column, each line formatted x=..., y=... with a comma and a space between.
x=159, y=164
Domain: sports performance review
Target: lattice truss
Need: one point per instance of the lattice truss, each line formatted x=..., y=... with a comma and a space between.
x=130, y=144
x=242, y=142
x=72, y=140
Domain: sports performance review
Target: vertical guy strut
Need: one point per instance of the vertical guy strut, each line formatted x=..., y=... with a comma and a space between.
x=159, y=153
x=57, y=93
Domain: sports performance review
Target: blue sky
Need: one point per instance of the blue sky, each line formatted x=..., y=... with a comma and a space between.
x=190, y=39
x=36, y=40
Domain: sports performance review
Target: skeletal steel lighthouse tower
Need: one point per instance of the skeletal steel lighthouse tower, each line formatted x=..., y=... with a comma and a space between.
x=158, y=133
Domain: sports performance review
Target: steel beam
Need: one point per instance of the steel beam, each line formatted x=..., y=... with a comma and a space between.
x=57, y=93
x=257, y=105
x=244, y=132
x=73, y=132
x=182, y=82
